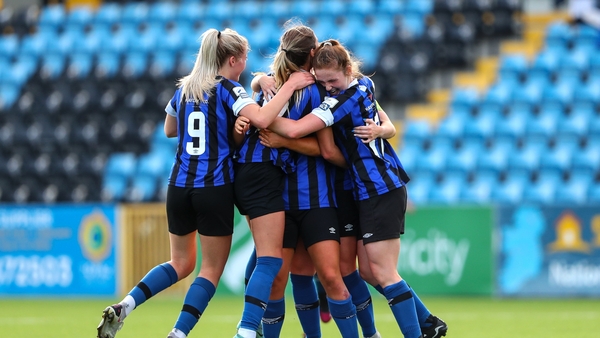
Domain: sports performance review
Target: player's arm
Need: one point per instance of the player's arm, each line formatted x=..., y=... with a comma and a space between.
x=371, y=130
x=265, y=83
x=262, y=117
x=329, y=149
x=242, y=124
x=306, y=145
x=170, y=127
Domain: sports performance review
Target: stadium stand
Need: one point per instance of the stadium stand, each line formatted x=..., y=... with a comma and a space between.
x=523, y=128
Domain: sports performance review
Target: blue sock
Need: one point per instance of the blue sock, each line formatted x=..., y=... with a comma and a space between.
x=250, y=267
x=258, y=290
x=422, y=312
x=379, y=289
x=402, y=304
x=273, y=318
x=195, y=302
x=159, y=278
x=361, y=297
x=344, y=315
x=307, y=304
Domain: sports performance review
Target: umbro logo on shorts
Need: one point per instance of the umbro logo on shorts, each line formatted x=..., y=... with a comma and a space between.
x=367, y=235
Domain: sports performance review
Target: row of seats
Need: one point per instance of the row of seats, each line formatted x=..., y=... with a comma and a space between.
x=524, y=140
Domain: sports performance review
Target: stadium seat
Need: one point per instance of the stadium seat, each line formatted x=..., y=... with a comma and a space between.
x=415, y=132
x=572, y=192
x=419, y=188
x=134, y=12
x=512, y=67
x=477, y=192
x=431, y=162
x=114, y=187
x=593, y=194
x=508, y=192
x=143, y=188
x=448, y=191
x=162, y=12
x=107, y=14
x=540, y=192
x=121, y=164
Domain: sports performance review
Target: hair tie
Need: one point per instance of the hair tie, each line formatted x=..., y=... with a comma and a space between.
x=327, y=43
x=219, y=35
x=284, y=50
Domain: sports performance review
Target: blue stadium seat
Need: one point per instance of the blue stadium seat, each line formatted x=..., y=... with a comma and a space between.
x=576, y=60
x=464, y=99
x=107, y=64
x=479, y=129
x=461, y=162
x=512, y=126
x=135, y=65
x=107, y=14
x=360, y=7
x=390, y=6
x=540, y=192
x=52, y=16
x=162, y=63
x=151, y=164
x=277, y=10
x=547, y=62
x=9, y=93
x=586, y=162
x=418, y=189
x=512, y=67
x=162, y=12
x=114, y=187
x=586, y=37
x=9, y=45
x=529, y=94
x=498, y=95
x=508, y=192
x=558, y=34
x=543, y=126
x=143, y=188
x=53, y=65
x=80, y=65
x=594, y=193
x=448, y=191
x=415, y=132
x=492, y=161
x=432, y=161
x=420, y=7
x=134, y=12
x=477, y=192
x=573, y=192
x=450, y=127
x=558, y=160
x=78, y=18
x=523, y=163
x=305, y=8
x=121, y=164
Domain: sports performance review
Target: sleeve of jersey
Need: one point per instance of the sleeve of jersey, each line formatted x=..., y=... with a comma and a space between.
x=324, y=112
x=171, y=107
x=240, y=99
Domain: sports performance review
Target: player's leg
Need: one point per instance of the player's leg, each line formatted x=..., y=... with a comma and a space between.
x=321, y=237
x=182, y=237
x=361, y=296
x=214, y=221
x=382, y=222
x=274, y=316
x=305, y=293
x=259, y=192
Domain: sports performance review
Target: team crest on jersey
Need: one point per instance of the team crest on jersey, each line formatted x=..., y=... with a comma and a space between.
x=240, y=92
x=328, y=103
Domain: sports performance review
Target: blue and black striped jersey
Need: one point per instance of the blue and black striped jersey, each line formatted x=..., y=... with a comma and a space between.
x=205, y=147
x=311, y=186
x=374, y=166
x=252, y=151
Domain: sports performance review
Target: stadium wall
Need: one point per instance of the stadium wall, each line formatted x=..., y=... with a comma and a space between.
x=105, y=249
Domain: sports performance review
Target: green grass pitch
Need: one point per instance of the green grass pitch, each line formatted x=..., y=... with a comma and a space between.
x=466, y=318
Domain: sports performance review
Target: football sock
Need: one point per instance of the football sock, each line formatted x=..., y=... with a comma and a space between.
x=361, y=297
x=250, y=267
x=159, y=278
x=258, y=290
x=195, y=302
x=273, y=318
x=402, y=305
x=307, y=304
x=344, y=315
x=422, y=312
